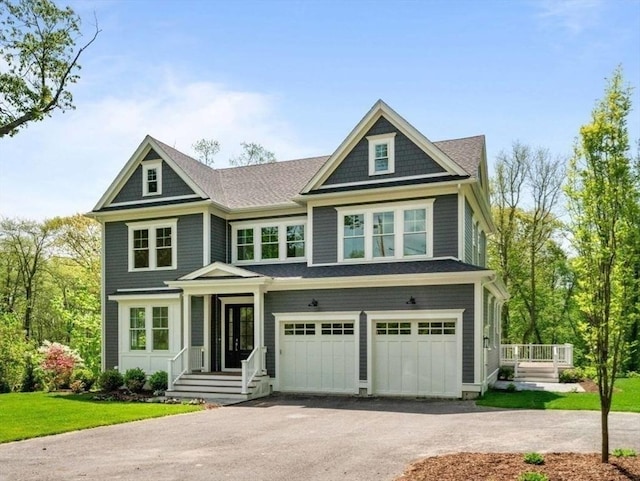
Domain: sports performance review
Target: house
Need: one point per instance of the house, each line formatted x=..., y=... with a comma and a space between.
x=363, y=272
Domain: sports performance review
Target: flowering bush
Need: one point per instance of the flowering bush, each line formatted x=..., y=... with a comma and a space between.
x=57, y=364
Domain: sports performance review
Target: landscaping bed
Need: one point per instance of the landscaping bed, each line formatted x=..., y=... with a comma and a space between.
x=508, y=467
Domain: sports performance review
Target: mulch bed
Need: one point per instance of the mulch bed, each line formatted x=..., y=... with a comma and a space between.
x=507, y=467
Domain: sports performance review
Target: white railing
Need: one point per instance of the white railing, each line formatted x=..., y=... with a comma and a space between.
x=562, y=354
x=196, y=358
x=177, y=366
x=252, y=366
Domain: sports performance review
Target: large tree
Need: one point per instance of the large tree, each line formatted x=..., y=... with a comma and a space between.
x=252, y=154
x=603, y=197
x=38, y=60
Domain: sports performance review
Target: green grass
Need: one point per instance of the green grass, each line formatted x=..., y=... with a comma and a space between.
x=625, y=398
x=29, y=415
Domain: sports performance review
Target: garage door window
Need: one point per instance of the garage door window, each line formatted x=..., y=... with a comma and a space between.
x=299, y=329
x=436, y=328
x=393, y=328
x=337, y=328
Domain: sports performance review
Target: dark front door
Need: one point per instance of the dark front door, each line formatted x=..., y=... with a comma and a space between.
x=239, y=334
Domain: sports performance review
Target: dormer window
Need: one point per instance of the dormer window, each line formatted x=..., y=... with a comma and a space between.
x=152, y=178
x=381, y=154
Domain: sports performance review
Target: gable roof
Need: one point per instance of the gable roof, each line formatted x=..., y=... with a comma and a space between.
x=466, y=152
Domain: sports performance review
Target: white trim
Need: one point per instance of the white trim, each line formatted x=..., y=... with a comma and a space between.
x=282, y=317
x=135, y=289
x=382, y=139
x=143, y=297
x=478, y=333
x=206, y=332
x=227, y=269
x=415, y=315
x=224, y=301
x=257, y=226
x=384, y=181
x=398, y=209
x=151, y=227
x=146, y=167
x=151, y=212
x=206, y=238
x=149, y=201
x=103, y=298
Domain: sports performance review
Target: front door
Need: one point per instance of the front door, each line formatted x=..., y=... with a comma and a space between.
x=238, y=333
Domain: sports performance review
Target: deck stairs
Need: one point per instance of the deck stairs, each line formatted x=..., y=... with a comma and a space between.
x=218, y=385
x=536, y=372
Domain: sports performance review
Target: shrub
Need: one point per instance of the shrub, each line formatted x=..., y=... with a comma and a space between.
x=533, y=476
x=590, y=372
x=511, y=387
x=633, y=374
x=57, y=364
x=505, y=373
x=624, y=453
x=77, y=386
x=159, y=381
x=134, y=379
x=30, y=381
x=85, y=376
x=110, y=380
x=533, y=458
x=13, y=347
x=572, y=375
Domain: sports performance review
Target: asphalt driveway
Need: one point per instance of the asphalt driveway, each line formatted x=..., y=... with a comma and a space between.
x=304, y=438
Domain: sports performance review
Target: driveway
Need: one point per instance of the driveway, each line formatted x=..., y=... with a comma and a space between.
x=304, y=438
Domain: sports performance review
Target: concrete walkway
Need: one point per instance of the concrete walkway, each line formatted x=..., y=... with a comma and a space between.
x=314, y=439
x=540, y=386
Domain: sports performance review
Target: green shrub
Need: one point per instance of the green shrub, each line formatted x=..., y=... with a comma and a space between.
x=110, y=380
x=533, y=476
x=31, y=380
x=533, y=458
x=624, y=453
x=159, y=381
x=134, y=379
x=572, y=375
x=590, y=372
x=505, y=373
x=511, y=387
x=85, y=376
x=633, y=374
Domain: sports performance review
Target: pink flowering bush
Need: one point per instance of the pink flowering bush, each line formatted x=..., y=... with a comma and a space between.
x=57, y=364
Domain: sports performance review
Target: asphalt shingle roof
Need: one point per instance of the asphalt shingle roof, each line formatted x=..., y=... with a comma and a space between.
x=277, y=183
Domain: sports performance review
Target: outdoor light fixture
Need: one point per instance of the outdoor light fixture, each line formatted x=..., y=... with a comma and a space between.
x=412, y=300
x=313, y=303
x=485, y=342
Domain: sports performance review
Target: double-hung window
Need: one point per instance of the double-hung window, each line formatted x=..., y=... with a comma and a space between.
x=137, y=329
x=275, y=241
x=388, y=231
x=149, y=328
x=152, y=178
x=152, y=245
x=381, y=154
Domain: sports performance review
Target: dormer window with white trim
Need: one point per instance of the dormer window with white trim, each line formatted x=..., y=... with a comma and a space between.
x=152, y=178
x=382, y=154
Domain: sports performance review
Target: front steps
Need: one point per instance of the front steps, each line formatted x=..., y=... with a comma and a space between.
x=224, y=386
x=536, y=372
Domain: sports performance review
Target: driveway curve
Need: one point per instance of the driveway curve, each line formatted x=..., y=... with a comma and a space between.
x=304, y=438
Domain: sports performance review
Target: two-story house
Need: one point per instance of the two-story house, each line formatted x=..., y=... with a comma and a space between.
x=362, y=272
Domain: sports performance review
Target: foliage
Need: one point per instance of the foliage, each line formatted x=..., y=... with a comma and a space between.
x=533, y=476
x=29, y=415
x=252, y=154
x=85, y=376
x=572, y=375
x=12, y=348
x=505, y=373
x=205, y=150
x=624, y=453
x=57, y=364
x=633, y=375
x=534, y=458
x=77, y=386
x=134, y=379
x=39, y=61
x=604, y=202
x=625, y=400
x=511, y=387
x=110, y=380
x=31, y=380
x=159, y=381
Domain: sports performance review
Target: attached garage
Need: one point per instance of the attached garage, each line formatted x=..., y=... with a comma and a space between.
x=415, y=354
x=318, y=353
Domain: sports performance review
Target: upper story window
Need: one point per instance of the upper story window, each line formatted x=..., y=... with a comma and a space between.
x=152, y=178
x=388, y=231
x=152, y=245
x=381, y=154
x=274, y=241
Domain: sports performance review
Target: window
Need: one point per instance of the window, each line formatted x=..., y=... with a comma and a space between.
x=152, y=245
x=381, y=154
x=300, y=329
x=433, y=328
x=337, y=328
x=152, y=178
x=277, y=241
x=390, y=231
x=354, y=236
x=393, y=328
x=137, y=329
x=160, y=329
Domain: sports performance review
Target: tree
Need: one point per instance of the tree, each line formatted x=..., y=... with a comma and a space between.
x=253, y=154
x=603, y=194
x=38, y=61
x=206, y=149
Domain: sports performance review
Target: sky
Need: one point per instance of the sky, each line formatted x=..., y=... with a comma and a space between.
x=297, y=76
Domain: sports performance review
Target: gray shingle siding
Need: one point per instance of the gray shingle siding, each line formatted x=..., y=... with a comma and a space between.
x=172, y=186
x=374, y=299
x=218, y=239
x=468, y=233
x=151, y=155
x=325, y=235
x=116, y=245
x=409, y=158
x=483, y=249
x=197, y=321
x=445, y=226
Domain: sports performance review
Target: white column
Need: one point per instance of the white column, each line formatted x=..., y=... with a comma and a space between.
x=186, y=328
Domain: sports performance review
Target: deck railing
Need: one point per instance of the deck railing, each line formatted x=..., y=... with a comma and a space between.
x=177, y=366
x=252, y=366
x=560, y=355
x=196, y=358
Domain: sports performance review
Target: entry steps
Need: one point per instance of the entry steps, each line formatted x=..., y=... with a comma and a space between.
x=218, y=385
x=536, y=372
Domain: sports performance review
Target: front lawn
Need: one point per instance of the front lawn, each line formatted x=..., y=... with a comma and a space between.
x=625, y=398
x=29, y=415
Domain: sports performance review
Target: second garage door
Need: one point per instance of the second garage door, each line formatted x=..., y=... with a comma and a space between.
x=416, y=357
x=318, y=356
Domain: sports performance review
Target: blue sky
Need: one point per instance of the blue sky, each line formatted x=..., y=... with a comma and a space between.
x=297, y=77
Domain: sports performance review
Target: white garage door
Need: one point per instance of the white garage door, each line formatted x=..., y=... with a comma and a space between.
x=317, y=356
x=415, y=357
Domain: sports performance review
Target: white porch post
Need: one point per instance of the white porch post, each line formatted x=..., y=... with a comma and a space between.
x=206, y=334
x=186, y=329
x=258, y=325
